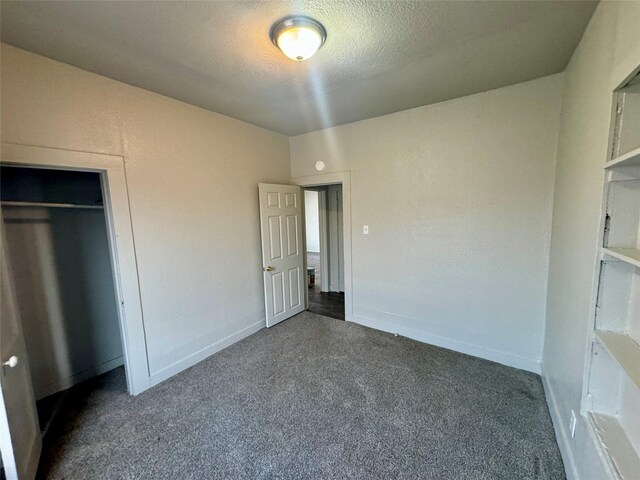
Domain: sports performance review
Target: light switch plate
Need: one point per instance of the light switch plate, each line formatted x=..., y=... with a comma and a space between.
x=365, y=229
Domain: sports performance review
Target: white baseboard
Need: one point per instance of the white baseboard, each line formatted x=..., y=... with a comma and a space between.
x=77, y=378
x=583, y=456
x=196, y=357
x=505, y=358
x=562, y=436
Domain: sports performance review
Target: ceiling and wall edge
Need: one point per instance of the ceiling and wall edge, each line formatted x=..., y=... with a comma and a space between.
x=67, y=65
x=191, y=105
x=378, y=58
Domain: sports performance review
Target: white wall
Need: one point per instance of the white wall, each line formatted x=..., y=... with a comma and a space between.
x=458, y=197
x=312, y=220
x=610, y=46
x=192, y=178
x=62, y=275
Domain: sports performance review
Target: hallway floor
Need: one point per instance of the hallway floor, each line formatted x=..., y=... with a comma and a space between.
x=329, y=304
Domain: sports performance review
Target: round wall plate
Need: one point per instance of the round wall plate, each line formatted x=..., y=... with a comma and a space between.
x=319, y=165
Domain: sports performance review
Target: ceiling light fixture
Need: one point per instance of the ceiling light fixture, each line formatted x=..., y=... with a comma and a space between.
x=298, y=37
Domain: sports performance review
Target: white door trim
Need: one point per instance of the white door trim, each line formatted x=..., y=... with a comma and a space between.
x=324, y=258
x=121, y=242
x=344, y=179
x=322, y=228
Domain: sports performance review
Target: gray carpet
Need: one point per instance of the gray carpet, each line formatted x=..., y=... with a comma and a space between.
x=312, y=397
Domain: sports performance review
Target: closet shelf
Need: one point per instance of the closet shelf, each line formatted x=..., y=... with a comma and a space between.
x=628, y=159
x=624, y=461
x=628, y=255
x=625, y=350
x=50, y=205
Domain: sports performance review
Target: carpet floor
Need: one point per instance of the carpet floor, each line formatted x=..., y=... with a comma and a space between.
x=312, y=397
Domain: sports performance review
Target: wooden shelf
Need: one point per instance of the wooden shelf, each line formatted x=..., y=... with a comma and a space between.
x=625, y=350
x=7, y=203
x=629, y=159
x=623, y=462
x=628, y=255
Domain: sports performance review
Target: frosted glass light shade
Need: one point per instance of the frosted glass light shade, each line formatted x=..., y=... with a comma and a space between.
x=299, y=38
x=299, y=43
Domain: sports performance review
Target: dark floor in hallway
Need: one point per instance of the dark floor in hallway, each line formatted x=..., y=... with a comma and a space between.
x=312, y=397
x=329, y=304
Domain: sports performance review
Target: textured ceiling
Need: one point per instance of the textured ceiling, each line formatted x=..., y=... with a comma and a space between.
x=379, y=57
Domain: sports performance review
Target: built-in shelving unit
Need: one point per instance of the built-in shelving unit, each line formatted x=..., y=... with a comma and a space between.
x=623, y=460
x=629, y=159
x=7, y=203
x=629, y=255
x=626, y=352
x=612, y=400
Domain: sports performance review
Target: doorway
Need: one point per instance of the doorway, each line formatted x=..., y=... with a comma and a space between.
x=325, y=250
x=58, y=250
x=21, y=441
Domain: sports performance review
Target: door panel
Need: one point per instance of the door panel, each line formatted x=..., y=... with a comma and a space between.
x=277, y=288
x=275, y=238
x=20, y=440
x=283, y=263
x=292, y=235
x=294, y=288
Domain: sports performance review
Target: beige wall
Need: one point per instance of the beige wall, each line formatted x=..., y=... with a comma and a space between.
x=610, y=48
x=192, y=177
x=458, y=199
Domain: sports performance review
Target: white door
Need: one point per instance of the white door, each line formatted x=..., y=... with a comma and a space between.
x=20, y=440
x=282, y=252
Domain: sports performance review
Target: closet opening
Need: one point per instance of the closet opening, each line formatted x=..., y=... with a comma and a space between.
x=325, y=250
x=59, y=254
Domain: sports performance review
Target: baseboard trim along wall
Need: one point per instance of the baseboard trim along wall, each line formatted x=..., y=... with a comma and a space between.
x=69, y=382
x=191, y=360
x=562, y=437
x=583, y=460
x=504, y=358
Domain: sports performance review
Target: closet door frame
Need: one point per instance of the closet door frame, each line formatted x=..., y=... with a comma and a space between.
x=121, y=242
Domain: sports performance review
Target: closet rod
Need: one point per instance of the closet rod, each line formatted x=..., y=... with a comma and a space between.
x=50, y=205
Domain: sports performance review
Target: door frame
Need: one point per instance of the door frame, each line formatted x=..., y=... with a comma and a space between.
x=344, y=179
x=322, y=231
x=324, y=240
x=121, y=242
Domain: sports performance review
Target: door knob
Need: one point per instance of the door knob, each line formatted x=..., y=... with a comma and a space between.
x=12, y=362
x=269, y=269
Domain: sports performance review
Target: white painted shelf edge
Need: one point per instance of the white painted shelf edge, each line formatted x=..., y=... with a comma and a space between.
x=623, y=461
x=625, y=350
x=8, y=203
x=628, y=159
x=628, y=255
